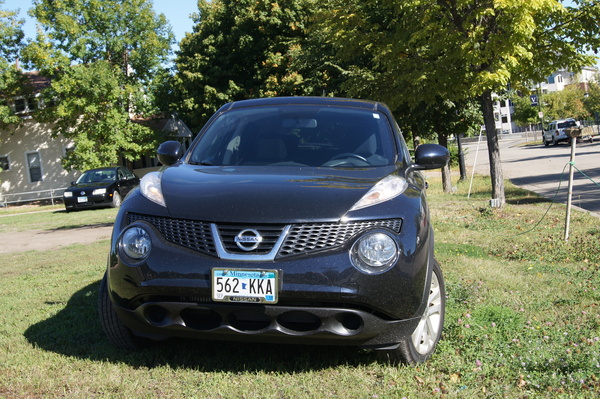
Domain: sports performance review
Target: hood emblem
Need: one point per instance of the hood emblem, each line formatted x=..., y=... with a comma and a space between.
x=248, y=240
x=82, y=193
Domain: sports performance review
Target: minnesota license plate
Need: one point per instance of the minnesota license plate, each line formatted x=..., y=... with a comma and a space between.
x=82, y=199
x=239, y=285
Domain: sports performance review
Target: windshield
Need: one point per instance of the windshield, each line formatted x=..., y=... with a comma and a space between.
x=297, y=135
x=96, y=176
x=563, y=125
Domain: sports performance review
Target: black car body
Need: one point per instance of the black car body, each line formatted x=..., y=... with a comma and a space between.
x=100, y=187
x=298, y=220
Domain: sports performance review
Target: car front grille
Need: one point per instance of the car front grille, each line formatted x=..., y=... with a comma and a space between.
x=301, y=239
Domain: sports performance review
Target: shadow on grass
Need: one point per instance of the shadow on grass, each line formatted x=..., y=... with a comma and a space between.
x=75, y=331
x=86, y=226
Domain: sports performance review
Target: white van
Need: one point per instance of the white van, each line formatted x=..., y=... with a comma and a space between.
x=556, y=131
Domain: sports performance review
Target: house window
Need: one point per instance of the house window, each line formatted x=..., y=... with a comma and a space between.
x=35, y=166
x=4, y=162
x=26, y=104
x=20, y=105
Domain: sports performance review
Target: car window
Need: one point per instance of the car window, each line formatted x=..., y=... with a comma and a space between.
x=127, y=173
x=97, y=176
x=297, y=136
x=566, y=124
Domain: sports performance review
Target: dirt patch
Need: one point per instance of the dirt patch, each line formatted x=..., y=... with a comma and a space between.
x=43, y=240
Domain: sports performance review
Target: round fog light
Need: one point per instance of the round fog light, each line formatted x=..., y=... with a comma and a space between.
x=375, y=252
x=136, y=243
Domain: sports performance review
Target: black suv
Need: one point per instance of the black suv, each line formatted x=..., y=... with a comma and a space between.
x=295, y=220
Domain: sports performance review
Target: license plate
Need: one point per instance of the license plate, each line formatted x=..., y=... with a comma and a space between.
x=82, y=199
x=239, y=285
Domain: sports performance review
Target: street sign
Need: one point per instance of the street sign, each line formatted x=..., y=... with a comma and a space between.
x=534, y=100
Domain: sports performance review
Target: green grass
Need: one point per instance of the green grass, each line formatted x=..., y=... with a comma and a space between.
x=522, y=320
x=52, y=217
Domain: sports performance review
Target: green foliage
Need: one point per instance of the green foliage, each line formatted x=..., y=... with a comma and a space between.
x=567, y=103
x=102, y=57
x=592, y=101
x=239, y=49
x=524, y=113
x=11, y=80
x=126, y=33
x=94, y=116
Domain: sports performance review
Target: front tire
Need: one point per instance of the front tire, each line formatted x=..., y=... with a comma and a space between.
x=116, y=200
x=118, y=334
x=421, y=344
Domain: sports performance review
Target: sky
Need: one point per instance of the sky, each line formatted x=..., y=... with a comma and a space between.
x=177, y=13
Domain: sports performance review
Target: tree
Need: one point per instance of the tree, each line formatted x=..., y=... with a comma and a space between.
x=567, y=103
x=239, y=49
x=101, y=57
x=11, y=79
x=524, y=112
x=419, y=50
x=592, y=101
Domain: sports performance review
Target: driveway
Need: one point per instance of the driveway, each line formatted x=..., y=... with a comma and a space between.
x=544, y=170
x=43, y=240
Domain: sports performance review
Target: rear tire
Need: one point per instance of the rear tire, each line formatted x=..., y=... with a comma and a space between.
x=421, y=344
x=118, y=334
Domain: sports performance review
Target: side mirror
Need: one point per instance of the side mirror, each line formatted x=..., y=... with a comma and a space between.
x=431, y=156
x=169, y=152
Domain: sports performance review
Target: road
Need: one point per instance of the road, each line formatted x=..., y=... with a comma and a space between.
x=540, y=169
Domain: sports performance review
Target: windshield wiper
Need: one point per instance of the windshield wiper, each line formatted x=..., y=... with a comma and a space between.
x=203, y=163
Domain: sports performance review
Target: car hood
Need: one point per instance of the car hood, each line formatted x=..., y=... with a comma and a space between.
x=82, y=186
x=265, y=194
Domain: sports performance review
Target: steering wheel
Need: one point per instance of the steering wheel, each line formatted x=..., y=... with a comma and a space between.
x=350, y=155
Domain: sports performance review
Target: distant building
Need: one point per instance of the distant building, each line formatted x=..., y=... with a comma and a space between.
x=563, y=78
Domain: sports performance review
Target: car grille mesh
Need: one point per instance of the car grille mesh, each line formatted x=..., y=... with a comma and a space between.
x=301, y=239
x=304, y=238
x=187, y=233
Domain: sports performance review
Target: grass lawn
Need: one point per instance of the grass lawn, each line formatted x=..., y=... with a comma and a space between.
x=522, y=319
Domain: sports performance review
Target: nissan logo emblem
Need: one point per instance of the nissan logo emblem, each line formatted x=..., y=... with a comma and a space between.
x=248, y=240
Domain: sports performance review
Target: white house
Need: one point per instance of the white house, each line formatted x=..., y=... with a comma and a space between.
x=563, y=77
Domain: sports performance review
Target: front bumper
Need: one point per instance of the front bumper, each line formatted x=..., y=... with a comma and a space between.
x=92, y=201
x=257, y=323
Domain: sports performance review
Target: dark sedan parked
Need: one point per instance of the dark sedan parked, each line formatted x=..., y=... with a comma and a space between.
x=296, y=220
x=100, y=188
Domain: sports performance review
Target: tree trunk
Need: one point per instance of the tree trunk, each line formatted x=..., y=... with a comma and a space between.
x=446, y=173
x=493, y=149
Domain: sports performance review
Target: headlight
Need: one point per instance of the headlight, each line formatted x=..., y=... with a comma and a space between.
x=68, y=194
x=151, y=188
x=386, y=189
x=375, y=252
x=136, y=243
x=99, y=191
